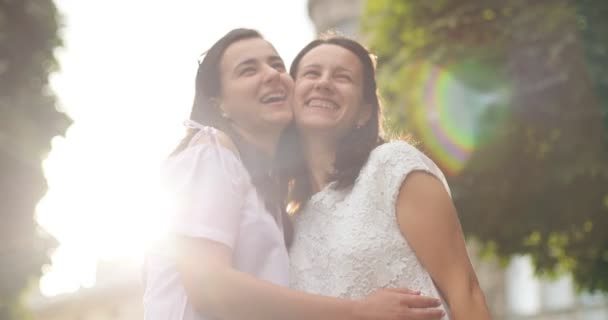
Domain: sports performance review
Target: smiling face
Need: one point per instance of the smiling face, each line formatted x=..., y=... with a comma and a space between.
x=328, y=95
x=256, y=89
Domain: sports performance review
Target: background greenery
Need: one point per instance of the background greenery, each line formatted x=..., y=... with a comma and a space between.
x=28, y=121
x=533, y=80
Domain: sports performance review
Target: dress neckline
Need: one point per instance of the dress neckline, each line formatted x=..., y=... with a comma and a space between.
x=322, y=200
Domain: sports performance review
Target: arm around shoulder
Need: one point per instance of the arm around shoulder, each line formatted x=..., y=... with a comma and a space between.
x=220, y=138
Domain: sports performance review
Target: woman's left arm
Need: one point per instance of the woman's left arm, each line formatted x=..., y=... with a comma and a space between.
x=428, y=219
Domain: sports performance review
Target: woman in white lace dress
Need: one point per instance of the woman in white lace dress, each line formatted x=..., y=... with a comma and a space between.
x=367, y=214
x=226, y=256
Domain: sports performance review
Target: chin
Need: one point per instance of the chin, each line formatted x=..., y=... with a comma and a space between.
x=280, y=119
x=316, y=126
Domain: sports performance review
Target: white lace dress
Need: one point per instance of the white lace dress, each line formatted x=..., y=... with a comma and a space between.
x=347, y=243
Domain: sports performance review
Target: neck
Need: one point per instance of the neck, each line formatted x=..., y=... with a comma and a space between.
x=265, y=140
x=320, y=156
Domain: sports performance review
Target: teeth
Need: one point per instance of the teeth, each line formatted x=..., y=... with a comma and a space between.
x=273, y=97
x=325, y=104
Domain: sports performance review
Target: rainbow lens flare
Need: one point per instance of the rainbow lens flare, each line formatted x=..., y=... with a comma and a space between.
x=448, y=111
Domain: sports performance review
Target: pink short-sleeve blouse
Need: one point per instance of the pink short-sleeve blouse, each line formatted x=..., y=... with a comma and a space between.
x=214, y=200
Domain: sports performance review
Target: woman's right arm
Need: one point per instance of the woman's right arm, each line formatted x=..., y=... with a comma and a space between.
x=216, y=289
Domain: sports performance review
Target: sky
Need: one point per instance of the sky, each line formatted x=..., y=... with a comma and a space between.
x=126, y=79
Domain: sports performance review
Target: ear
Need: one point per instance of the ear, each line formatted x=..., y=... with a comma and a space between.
x=365, y=114
x=217, y=102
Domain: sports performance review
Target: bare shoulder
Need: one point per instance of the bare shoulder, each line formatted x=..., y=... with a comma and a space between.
x=424, y=208
x=218, y=136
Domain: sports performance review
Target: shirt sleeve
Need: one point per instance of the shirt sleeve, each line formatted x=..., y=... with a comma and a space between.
x=392, y=164
x=434, y=170
x=207, y=185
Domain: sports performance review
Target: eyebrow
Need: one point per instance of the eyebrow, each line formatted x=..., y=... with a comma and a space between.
x=318, y=66
x=342, y=69
x=250, y=61
x=253, y=61
x=310, y=66
x=275, y=59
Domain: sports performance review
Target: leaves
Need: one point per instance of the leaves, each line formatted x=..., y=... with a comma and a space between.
x=511, y=99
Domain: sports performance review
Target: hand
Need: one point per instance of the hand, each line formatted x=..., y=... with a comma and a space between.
x=398, y=304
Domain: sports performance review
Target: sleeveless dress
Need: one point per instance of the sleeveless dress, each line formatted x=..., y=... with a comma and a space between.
x=214, y=199
x=347, y=243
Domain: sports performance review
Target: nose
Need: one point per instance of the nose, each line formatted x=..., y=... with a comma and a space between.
x=271, y=75
x=323, y=84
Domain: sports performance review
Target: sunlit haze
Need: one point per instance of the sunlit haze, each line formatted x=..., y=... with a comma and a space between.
x=126, y=80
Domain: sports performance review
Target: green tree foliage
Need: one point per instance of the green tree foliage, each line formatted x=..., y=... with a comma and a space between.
x=28, y=121
x=522, y=87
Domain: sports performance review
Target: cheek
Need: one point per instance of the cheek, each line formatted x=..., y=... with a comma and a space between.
x=238, y=99
x=244, y=90
x=355, y=100
x=301, y=89
x=287, y=81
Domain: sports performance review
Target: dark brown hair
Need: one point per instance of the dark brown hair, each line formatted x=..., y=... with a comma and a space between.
x=205, y=111
x=354, y=149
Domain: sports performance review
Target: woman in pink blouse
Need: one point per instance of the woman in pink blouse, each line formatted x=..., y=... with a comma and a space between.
x=227, y=257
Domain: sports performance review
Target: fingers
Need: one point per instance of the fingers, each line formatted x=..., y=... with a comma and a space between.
x=413, y=299
x=417, y=301
x=425, y=314
x=403, y=290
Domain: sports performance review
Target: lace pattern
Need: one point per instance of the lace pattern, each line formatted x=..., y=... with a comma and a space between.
x=347, y=243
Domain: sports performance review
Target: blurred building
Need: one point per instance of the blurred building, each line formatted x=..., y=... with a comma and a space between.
x=513, y=293
x=339, y=15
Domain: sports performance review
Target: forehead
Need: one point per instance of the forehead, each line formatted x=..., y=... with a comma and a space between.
x=247, y=49
x=331, y=56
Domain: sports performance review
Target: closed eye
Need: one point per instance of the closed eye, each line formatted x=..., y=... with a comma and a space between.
x=343, y=76
x=310, y=73
x=279, y=66
x=247, y=71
